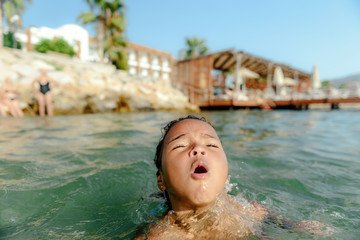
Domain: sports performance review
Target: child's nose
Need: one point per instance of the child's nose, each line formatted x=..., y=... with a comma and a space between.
x=198, y=150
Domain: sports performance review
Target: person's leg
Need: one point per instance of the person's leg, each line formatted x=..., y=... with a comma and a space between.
x=48, y=98
x=12, y=108
x=2, y=110
x=41, y=101
x=19, y=112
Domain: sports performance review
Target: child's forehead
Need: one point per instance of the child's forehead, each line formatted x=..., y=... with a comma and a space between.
x=190, y=126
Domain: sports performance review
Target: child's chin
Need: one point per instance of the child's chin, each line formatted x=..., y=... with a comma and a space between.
x=203, y=199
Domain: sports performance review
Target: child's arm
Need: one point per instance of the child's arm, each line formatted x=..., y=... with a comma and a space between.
x=314, y=227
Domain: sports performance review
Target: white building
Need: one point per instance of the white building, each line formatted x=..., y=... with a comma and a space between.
x=74, y=34
x=143, y=61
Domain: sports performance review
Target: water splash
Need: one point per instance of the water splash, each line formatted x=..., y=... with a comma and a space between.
x=230, y=217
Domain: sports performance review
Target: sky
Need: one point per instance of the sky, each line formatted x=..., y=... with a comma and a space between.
x=297, y=33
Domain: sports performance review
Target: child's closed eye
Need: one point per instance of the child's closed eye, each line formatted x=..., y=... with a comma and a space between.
x=212, y=145
x=178, y=146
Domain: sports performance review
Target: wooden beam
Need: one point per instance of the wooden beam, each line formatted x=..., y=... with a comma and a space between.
x=229, y=61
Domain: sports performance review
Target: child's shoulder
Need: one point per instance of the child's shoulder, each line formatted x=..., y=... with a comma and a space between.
x=165, y=229
x=255, y=209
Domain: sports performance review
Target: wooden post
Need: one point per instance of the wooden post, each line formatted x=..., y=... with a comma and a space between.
x=138, y=62
x=28, y=44
x=150, y=64
x=78, y=44
x=269, y=76
x=171, y=63
x=238, y=57
x=296, y=77
x=192, y=92
x=161, y=67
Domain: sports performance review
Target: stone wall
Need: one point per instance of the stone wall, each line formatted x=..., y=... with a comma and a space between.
x=88, y=87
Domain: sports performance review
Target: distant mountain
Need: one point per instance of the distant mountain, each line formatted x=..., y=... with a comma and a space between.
x=349, y=80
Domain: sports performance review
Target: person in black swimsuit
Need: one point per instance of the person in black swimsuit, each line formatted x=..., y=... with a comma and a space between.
x=44, y=92
x=44, y=88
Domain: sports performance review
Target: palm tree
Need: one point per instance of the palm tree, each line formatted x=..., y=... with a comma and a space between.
x=8, y=9
x=195, y=47
x=109, y=17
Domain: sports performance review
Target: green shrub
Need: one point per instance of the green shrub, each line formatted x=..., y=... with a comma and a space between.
x=44, y=45
x=62, y=46
x=59, y=45
x=326, y=83
x=9, y=41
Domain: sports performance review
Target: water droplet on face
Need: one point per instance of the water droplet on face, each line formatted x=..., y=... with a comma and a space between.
x=204, y=185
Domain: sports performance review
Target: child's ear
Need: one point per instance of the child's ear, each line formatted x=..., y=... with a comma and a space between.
x=161, y=182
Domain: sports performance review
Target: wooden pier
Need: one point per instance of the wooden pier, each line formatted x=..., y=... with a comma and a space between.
x=298, y=104
x=205, y=80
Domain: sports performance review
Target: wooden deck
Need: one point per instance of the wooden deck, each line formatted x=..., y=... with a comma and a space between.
x=273, y=104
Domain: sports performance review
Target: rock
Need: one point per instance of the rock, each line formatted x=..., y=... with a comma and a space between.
x=38, y=64
x=61, y=77
x=6, y=72
x=87, y=87
x=25, y=70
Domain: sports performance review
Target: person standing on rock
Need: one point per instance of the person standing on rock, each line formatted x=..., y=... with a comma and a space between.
x=43, y=92
x=9, y=95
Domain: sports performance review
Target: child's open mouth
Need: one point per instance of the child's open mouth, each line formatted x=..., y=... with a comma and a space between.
x=200, y=171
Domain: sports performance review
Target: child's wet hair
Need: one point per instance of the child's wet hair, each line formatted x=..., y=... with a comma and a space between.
x=165, y=131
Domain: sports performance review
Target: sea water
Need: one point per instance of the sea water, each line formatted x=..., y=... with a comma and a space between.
x=93, y=176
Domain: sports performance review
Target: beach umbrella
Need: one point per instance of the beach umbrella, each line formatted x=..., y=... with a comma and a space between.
x=247, y=73
x=278, y=78
x=289, y=81
x=315, y=79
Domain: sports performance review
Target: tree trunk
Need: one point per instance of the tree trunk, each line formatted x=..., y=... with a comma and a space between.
x=1, y=25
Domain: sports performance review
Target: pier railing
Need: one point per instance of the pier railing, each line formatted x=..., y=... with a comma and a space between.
x=294, y=100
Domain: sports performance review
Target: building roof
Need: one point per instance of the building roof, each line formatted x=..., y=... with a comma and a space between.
x=148, y=49
x=226, y=61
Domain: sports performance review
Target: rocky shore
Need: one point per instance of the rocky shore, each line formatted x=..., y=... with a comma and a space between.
x=88, y=87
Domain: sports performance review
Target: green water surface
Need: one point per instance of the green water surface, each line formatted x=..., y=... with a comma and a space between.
x=92, y=176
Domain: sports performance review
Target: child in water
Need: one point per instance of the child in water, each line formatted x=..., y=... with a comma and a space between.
x=192, y=174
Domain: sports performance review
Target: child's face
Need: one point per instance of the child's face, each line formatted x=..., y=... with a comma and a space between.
x=194, y=165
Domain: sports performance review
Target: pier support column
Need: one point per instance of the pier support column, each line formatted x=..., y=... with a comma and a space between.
x=335, y=106
x=269, y=76
x=238, y=57
x=269, y=80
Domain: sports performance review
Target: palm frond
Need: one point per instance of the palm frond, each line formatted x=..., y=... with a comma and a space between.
x=119, y=41
x=118, y=23
x=9, y=9
x=87, y=17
